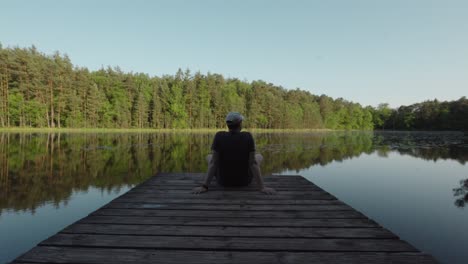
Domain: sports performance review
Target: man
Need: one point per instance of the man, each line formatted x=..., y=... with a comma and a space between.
x=233, y=160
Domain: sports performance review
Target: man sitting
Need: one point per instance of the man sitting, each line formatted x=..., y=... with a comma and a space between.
x=233, y=160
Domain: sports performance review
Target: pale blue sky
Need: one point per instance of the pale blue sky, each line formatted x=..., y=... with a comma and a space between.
x=400, y=52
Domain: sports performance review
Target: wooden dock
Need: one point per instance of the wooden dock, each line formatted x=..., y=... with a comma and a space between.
x=160, y=221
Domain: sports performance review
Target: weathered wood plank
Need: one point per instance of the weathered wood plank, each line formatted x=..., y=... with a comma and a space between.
x=180, y=230
x=292, y=183
x=149, y=256
x=160, y=221
x=197, y=178
x=232, y=207
x=196, y=181
x=231, y=214
x=220, y=221
x=283, y=178
x=189, y=187
x=194, y=200
x=192, y=184
x=232, y=196
x=230, y=243
x=191, y=175
x=238, y=193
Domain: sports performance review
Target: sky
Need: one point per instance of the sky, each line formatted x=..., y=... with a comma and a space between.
x=398, y=52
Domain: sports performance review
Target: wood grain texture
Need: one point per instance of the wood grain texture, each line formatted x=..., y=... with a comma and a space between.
x=229, y=243
x=181, y=230
x=230, y=207
x=220, y=221
x=160, y=221
x=218, y=192
x=149, y=256
x=253, y=187
x=232, y=196
x=195, y=200
x=231, y=214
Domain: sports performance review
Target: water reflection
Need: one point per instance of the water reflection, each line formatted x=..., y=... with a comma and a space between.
x=426, y=145
x=47, y=168
x=461, y=193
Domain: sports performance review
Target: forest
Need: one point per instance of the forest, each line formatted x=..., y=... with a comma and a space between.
x=428, y=115
x=48, y=91
x=39, y=90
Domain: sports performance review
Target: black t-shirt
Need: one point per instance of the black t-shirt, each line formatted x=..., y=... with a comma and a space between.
x=233, y=149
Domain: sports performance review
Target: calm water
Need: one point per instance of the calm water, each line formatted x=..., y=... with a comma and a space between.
x=415, y=184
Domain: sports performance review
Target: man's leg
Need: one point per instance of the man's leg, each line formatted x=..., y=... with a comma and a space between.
x=254, y=162
x=209, y=157
x=258, y=158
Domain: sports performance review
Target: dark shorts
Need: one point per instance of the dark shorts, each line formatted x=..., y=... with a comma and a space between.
x=258, y=159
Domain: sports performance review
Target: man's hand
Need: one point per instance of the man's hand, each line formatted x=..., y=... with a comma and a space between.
x=268, y=190
x=199, y=189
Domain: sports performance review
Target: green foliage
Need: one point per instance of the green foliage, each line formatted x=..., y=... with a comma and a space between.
x=381, y=114
x=428, y=115
x=38, y=90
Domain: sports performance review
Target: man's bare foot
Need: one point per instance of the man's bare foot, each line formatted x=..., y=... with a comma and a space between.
x=268, y=190
x=199, y=189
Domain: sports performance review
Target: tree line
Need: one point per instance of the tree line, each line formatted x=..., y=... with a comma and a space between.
x=39, y=90
x=428, y=115
x=48, y=91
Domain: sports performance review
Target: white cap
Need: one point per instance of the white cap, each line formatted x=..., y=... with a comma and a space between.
x=234, y=118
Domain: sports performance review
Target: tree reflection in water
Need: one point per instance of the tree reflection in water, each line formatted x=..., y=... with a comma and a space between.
x=461, y=193
x=37, y=168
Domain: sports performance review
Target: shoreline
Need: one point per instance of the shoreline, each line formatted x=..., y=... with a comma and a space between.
x=154, y=130
x=200, y=130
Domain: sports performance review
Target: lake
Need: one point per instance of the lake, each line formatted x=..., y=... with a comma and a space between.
x=413, y=183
